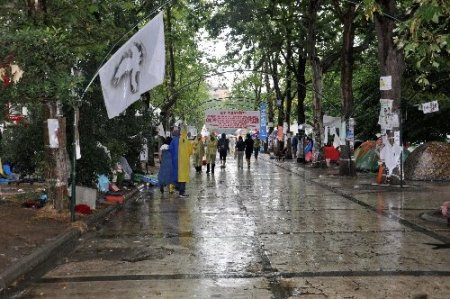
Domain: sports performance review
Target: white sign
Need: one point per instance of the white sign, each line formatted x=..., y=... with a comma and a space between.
x=53, y=132
x=430, y=107
x=397, y=137
x=386, y=83
x=331, y=121
x=226, y=120
x=135, y=68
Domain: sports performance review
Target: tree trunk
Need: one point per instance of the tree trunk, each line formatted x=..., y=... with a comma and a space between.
x=276, y=85
x=317, y=77
x=58, y=167
x=172, y=99
x=301, y=90
x=346, y=165
x=288, y=79
x=317, y=107
x=270, y=116
x=391, y=64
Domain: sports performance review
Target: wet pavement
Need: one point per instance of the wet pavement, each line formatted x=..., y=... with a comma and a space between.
x=278, y=230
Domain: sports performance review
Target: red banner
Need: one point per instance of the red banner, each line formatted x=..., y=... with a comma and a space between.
x=232, y=119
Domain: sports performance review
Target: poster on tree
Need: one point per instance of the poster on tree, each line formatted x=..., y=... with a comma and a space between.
x=387, y=119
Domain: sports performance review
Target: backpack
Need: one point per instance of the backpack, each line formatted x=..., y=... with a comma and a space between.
x=222, y=145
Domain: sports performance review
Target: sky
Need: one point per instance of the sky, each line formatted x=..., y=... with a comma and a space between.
x=216, y=48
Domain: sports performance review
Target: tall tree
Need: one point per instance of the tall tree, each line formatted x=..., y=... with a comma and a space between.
x=317, y=72
x=347, y=17
x=391, y=63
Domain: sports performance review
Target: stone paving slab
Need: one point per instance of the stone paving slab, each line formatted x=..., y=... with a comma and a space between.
x=162, y=256
x=354, y=251
x=368, y=287
x=323, y=221
x=156, y=288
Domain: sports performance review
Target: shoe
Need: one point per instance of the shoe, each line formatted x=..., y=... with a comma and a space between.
x=183, y=195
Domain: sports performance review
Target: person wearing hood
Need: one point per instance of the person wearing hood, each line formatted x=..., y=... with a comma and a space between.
x=198, y=150
x=240, y=150
x=211, y=150
x=165, y=175
x=223, y=147
x=180, y=149
x=248, y=148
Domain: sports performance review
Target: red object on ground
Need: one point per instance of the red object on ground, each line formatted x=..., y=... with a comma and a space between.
x=114, y=198
x=331, y=153
x=83, y=209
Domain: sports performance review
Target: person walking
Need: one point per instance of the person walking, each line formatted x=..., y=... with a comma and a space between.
x=223, y=148
x=257, y=147
x=295, y=145
x=198, y=150
x=211, y=151
x=180, y=149
x=165, y=175
x=248, y=148
x=240, y=150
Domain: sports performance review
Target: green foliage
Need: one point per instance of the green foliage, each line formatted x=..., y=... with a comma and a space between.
x=424, y=37
x=22, y=145
x=46, y=63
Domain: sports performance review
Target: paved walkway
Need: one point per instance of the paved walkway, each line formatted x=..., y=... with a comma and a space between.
x=278, y=230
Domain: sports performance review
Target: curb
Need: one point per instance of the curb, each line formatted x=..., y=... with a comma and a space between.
x=41, y=254
x=431, y=216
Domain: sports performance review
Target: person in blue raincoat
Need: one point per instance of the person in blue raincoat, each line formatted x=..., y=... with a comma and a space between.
x=165, y=174
x=308, y=150
x=180, y=149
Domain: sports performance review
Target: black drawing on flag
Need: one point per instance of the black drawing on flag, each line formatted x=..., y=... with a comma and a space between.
x=129, y=66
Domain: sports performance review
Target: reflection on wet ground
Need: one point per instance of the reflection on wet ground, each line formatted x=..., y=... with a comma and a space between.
x=277, y=230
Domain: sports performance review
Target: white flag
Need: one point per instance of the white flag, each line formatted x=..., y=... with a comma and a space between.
x=135, y=68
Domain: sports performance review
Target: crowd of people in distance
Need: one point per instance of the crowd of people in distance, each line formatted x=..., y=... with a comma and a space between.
x=176, y=151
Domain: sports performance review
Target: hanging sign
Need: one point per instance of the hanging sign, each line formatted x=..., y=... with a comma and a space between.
x=53, y=132
x=263, y=118
x=430, y=107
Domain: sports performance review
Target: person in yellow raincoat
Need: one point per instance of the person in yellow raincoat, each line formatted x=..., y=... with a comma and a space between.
x=211, y=151
x=181, y=149
x=198, y=150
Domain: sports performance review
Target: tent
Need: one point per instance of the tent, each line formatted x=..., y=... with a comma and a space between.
x=366, y=157
x=429, y=161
